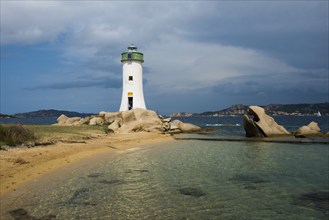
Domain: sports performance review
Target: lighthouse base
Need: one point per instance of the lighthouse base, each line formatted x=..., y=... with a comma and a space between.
x=131, y=102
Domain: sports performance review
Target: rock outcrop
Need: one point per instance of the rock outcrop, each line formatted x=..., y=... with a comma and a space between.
x=312, y=129
x=261, y=125
x=73, y=120
x=64, y=120
x=61, y=120
x=109, y=117
x=98, y=120
x=131, y=121
x=188, y=127
x=178, y=126
x=140, y=120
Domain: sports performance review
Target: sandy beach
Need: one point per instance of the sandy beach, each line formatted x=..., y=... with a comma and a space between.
x=21, y=165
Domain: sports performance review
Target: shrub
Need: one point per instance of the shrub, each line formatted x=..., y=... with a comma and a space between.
x=107, y=130
x=15, y=134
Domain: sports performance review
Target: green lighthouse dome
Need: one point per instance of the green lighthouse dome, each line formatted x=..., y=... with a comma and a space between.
x=132, y=55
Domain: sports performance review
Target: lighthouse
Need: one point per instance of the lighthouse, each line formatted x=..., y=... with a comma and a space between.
x=132, y=79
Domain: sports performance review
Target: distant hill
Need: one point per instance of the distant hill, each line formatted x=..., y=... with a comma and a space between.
x=6, y=116
x=233, y=110
x=272, y=109
x=304, y=109
x=50, y=113
x=277, y=109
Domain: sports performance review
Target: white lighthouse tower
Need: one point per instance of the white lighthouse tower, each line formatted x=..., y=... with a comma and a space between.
x=132, y=79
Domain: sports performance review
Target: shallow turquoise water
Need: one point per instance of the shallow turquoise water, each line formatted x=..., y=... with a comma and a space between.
x=193, y=180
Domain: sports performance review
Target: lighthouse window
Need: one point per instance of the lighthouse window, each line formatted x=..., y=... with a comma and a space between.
x=130, y=78
x=129, y=55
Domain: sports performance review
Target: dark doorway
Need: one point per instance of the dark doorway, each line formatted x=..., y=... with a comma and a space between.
x=130, y=103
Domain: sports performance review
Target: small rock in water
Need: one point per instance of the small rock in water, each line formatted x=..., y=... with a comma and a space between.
x=190, y=191
x=142, y=171
x=318, y=200
x=81, y=197
x=250, y=187
x=94, y=175
x=47, y=217
x=316, y=196
x=18, y=213
x=110, y=182
x=22, y=214
x=79, y=193
x=248, y=179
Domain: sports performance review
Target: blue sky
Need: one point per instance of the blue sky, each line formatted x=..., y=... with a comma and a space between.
x=199, y=55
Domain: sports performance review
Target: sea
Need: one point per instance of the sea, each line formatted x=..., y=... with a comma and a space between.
x=219, y=174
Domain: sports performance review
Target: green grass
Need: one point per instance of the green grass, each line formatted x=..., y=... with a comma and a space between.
x=13, y=135
x=56, y=132
x=50, y=133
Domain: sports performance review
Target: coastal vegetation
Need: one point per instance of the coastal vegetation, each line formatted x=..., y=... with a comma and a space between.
x=30, y=135
x=51, y=133
x=15, y=134
x=6, y=116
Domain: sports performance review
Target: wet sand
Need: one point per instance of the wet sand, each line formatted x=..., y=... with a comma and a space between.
x=22, y=165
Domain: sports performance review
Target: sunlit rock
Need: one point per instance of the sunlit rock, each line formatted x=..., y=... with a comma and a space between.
x=134, y=120
x=312, y=129
x=183, y=127
x=140, y=120
x=261, y=124
x=116, y=124
x=188, y=127
x=110, y=117
x=61, y=120
x=96, y=121
x=73, y=121
x=84, y=121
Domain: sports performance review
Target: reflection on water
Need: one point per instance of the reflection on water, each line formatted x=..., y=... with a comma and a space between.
x=194, y=180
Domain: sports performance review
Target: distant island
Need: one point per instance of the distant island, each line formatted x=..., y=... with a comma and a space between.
x=6, y=116
x=46, y=114
x=272, y=109
x=239, y=109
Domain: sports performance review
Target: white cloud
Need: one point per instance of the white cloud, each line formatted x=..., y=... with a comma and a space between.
x=188, y=46
x=95, y=23
x=182, y=65
x=31, y=22
x=175, y=62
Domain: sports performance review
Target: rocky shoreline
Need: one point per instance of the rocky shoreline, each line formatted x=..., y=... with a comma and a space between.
x=134, y=120
x=257, y=123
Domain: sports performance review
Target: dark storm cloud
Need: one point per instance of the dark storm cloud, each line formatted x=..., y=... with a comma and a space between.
x=285, y=86
x=290, y=31
x=190, y=49
x=106, y=59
